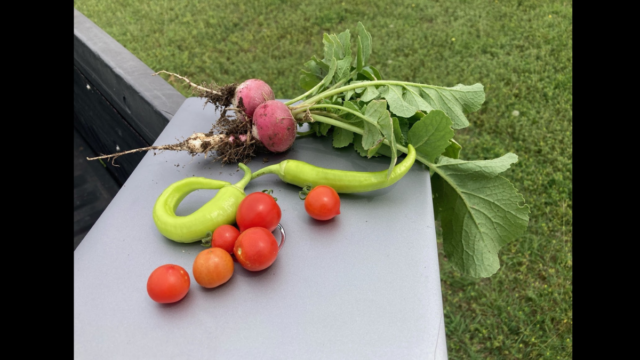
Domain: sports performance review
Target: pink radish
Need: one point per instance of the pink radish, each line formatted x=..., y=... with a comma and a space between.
x=274, y=126
x=253, y=92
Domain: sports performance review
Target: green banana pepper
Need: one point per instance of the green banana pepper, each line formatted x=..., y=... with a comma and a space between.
x=218, y=211
x=304, y=174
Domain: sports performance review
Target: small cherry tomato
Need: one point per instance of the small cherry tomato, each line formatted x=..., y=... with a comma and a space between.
x=168, y=283
x=225, y=236
x=322, y=203
x=256, y=249
x=258, y=209
x=212, y=267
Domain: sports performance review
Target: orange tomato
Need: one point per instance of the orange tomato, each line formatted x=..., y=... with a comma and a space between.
x=212, y=267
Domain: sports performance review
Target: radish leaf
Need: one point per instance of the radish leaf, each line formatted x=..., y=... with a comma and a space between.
x=431, y=135
x=332, y=71
x=397, y=104
x=371, y=73
x=485, y=167
x=371, y=152
x=357, y=145
x=397, y=131
x=404, y=128
x=453, y=150
x=313, y=74
x=345, y=40
x=308, y=80
x=371, y=93
x=376, y=112
x=341, y=137
x=343, y=69
x=329, y=49
x=371, y=136
x=455, y=101
x=337, y=47
x=324, y=128
x=412, y=96
x=347, y=116
x=364, y=46
x=479, y=212
x=348, y=94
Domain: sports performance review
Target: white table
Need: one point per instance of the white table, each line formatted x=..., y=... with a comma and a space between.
x=365, y=285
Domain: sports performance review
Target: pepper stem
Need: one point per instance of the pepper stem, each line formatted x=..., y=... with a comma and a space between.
x=271, y=169
x=245, y=179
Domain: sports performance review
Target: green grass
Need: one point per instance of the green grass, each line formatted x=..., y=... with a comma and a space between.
x=521, y=51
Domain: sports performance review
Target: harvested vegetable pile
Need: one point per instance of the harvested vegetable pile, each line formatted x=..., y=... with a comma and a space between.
x=347, y=98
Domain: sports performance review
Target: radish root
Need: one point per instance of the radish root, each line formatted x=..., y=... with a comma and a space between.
x=198, y=143
x=219, y=96
x=229, y=138
x=191, y=85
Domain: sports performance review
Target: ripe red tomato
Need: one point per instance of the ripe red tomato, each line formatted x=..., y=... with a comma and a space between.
x=256, y=249
x=224, y=237
x=322, y=203
x=168, y=283
x=258, y=209
x=212, y=267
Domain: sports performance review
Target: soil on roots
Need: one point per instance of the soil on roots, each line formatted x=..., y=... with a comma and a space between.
x=220, y=96
x=237, y=150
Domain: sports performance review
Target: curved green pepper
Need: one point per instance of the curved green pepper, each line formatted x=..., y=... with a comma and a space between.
x=302, y=174
x=218, y=211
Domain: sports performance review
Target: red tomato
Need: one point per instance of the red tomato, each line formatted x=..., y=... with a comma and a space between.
x=224, y=237
x=322, y=203
x=168, y=283
x=258, y=209
x=256, y=249
x=212, y=267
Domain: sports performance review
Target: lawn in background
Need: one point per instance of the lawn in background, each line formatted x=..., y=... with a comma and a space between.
x=521, y=51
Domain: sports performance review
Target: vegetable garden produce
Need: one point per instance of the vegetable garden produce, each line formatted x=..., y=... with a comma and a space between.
x=212, y=267
x=168, y=283
x=274, y=126
x=346, y=98
x=252, y=92
x=218, y=211
x=235, y=139
x=304, y=174
x=225, y=237
x=256, y=249
x=322, y=203
x=258, y=209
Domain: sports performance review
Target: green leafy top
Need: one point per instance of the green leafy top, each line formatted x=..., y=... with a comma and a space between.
x=479, y=210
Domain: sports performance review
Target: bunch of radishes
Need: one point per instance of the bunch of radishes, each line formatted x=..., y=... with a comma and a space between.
x=270, y=124
x=271, y=121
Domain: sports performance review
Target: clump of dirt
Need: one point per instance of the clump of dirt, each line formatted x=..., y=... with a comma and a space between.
x=240, y=146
